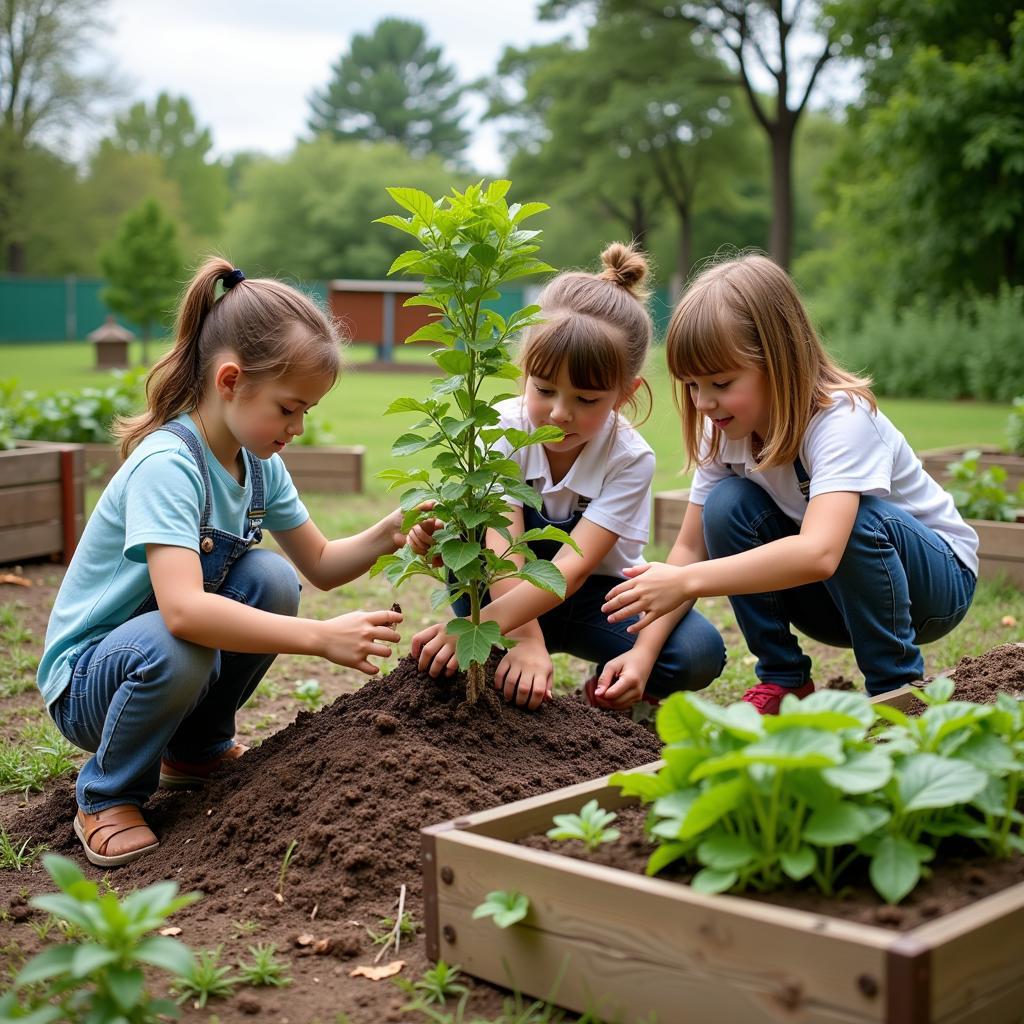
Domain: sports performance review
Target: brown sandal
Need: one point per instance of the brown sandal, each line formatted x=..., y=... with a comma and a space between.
x=194, y=774
x=113, y=825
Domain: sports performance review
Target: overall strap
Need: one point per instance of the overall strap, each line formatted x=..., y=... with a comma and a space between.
x=192, y=442
x=802, y=479
x=257, y=506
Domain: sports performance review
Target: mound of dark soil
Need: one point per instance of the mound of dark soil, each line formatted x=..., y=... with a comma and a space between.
x=352, y=785
x=982, y=679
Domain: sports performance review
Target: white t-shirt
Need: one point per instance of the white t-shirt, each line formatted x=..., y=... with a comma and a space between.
x=847, y=448
x=610, y=483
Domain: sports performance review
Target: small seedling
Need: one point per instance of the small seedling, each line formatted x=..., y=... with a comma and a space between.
x=205, y=980
x=246, y=927
x=14, y=855
x=265, y=968
x=506, y=907
x=407, y=928
x=437, y=985
x=279, y=895
x=308, y=691
x=589, y=826
x=100, y=976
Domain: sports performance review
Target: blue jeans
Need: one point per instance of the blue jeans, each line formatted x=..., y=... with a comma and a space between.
x=692, y=658
x=898, y=585
x=140, y=692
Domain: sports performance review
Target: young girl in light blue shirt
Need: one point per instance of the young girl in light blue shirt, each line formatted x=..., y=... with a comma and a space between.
x=169, y=615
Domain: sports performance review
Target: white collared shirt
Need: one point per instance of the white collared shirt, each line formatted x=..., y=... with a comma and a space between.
x=610, y=483
x=847, y=448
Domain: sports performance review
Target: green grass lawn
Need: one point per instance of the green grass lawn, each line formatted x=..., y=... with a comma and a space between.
x=351, y=412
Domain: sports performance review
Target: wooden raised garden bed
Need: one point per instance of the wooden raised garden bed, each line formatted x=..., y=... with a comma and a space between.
x=635, y=949
x=935, y=461
x=42, y=500
x=1000, y=552
x=334, y=470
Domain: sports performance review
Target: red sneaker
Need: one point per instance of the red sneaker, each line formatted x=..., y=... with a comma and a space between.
x=767, y=697
x=192, y=774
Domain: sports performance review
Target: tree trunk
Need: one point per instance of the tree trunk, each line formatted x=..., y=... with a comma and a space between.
x=685, y=250
x=15, y=258
x=781, y=241
x=639, y=225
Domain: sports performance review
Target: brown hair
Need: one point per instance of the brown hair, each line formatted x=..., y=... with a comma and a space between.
x=273, y=329
x=597, y=325
x=746, y=312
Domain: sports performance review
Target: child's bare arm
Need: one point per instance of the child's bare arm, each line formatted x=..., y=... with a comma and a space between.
x=211, y=620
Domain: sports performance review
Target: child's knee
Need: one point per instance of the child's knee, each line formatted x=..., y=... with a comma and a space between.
x=187, y=669
x=730, y=503
x=691, y=661
x=270, y=583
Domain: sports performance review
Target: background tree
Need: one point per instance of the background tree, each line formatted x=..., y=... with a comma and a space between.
x=763, y=40
x=42, y=90
x=392, y=86
x=926, y=200
x=306, y=215
x=143, y=267
x=168, y=130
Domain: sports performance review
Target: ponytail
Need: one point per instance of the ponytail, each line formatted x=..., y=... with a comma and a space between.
x=255, y=321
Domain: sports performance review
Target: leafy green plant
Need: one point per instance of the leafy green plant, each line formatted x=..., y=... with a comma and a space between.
x=315, y=433
x=505, y=906
x=983, y=494
x=23, y=771
x=77, y=416
x=264, y=968
x=14, y=855
x=754, y=801
x=310, y=693
x=469, y=244
x=100, y=977
x=1015, y=427
x=590, y=826
x=205, y=979
x=407, y=928
x=437, y=985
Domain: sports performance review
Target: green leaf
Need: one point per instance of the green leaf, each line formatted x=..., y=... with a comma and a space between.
x=168, y=953
x=392, y=220
x=545, y=575
x=51, y=962
x=405, y=405
x=798, y=865
x=125, y=986
x=82, y=914
x=457, y=553
x=408, y=259
x=505, y=907
x=498, y=189
x=712, y=805
x=435, y=331
x=864, y=771
x=678, y=719
x=409, y=444
x=415, y=201
x=665, y=854
x=839, y=824
x=89, y=957
x=452, y=361
x=474, y=643
x=549, y=533
x=725, y=852
x=709, y=880
x=928, y=780
x=484, y=254
x=529, y=210
x=64, y=872
x=895, y=868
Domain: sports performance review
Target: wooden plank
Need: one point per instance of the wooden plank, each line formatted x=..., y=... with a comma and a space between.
x=327, y=483
x=976, y=959
x=628, y=946
x=1001, y=550
x=22, y=466
x=21, y=542
x=36, y=503
x=902, y=699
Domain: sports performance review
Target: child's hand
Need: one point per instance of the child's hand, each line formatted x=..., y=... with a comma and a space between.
x=353, y=638
x=651, y=591
x=525, y=674
x=421, y=536
x=435, y=650
x=623, y=680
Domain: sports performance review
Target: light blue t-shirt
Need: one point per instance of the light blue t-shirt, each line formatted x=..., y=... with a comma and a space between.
x=156, y=497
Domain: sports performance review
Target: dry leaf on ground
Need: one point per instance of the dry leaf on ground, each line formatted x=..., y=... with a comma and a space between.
x=18, y=581
x=377, y=973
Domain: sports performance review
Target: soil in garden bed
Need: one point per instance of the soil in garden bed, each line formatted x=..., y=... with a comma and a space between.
x=351, y=785
x=962, y=878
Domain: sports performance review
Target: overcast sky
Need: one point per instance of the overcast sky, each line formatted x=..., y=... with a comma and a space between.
x=249, y=68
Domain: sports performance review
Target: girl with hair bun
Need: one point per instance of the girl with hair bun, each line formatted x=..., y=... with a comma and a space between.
x=168, y=616
x=581, y=366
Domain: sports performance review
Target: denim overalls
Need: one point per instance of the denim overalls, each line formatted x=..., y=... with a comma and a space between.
x=140, y=691
x=691, y=658
x=898, y=585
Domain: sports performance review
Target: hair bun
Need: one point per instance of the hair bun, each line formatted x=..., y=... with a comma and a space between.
x=625, y=266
